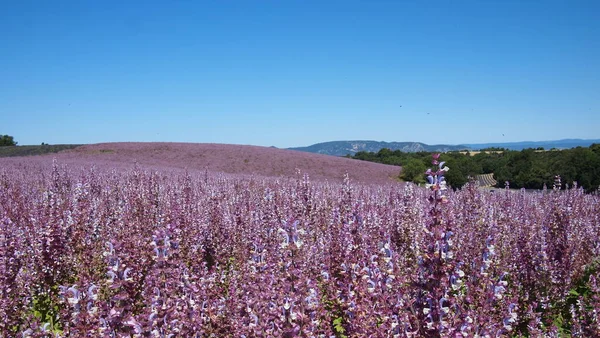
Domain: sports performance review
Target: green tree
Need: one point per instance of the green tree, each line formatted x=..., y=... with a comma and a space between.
x=393, y=160
x=413, y=170
x=595, y=148
x=457, y=176
x=6, y=140
x=527, y=168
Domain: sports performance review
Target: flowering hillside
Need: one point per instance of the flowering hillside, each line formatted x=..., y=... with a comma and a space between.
x=136, y=251
x=223, y=158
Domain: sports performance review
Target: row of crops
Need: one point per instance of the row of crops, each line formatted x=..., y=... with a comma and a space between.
x=139, y=253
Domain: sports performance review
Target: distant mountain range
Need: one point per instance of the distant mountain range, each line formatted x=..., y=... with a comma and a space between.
x=343, y=148
x=558, y=144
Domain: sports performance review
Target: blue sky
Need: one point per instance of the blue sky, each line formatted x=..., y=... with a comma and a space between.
x=294, y=73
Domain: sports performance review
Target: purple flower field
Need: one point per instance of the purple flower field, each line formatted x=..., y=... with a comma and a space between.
x=222, y=158
x=198, y=242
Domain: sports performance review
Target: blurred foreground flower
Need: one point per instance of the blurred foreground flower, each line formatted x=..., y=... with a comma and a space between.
x=436, y=180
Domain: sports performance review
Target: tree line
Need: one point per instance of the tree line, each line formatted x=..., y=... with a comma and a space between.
x=7, y=140
x=528, y=168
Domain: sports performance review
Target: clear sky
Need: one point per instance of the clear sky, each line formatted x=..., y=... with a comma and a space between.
x=294, y=73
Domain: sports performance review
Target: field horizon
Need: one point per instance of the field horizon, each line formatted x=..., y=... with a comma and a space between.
x=221, y=158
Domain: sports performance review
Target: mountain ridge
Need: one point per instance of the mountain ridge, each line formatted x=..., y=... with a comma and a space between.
x=558, y=144
x=343, y=148
x=351, y=147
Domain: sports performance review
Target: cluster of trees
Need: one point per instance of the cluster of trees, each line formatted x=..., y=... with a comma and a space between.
x=7, y=140
x=528, y=168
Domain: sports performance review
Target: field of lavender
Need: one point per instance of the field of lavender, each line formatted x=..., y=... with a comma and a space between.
x=142, y=252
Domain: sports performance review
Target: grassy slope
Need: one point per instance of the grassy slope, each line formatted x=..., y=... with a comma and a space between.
x=34, y=150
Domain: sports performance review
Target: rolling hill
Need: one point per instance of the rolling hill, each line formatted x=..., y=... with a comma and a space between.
x=224, y=158
x=11, y=151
